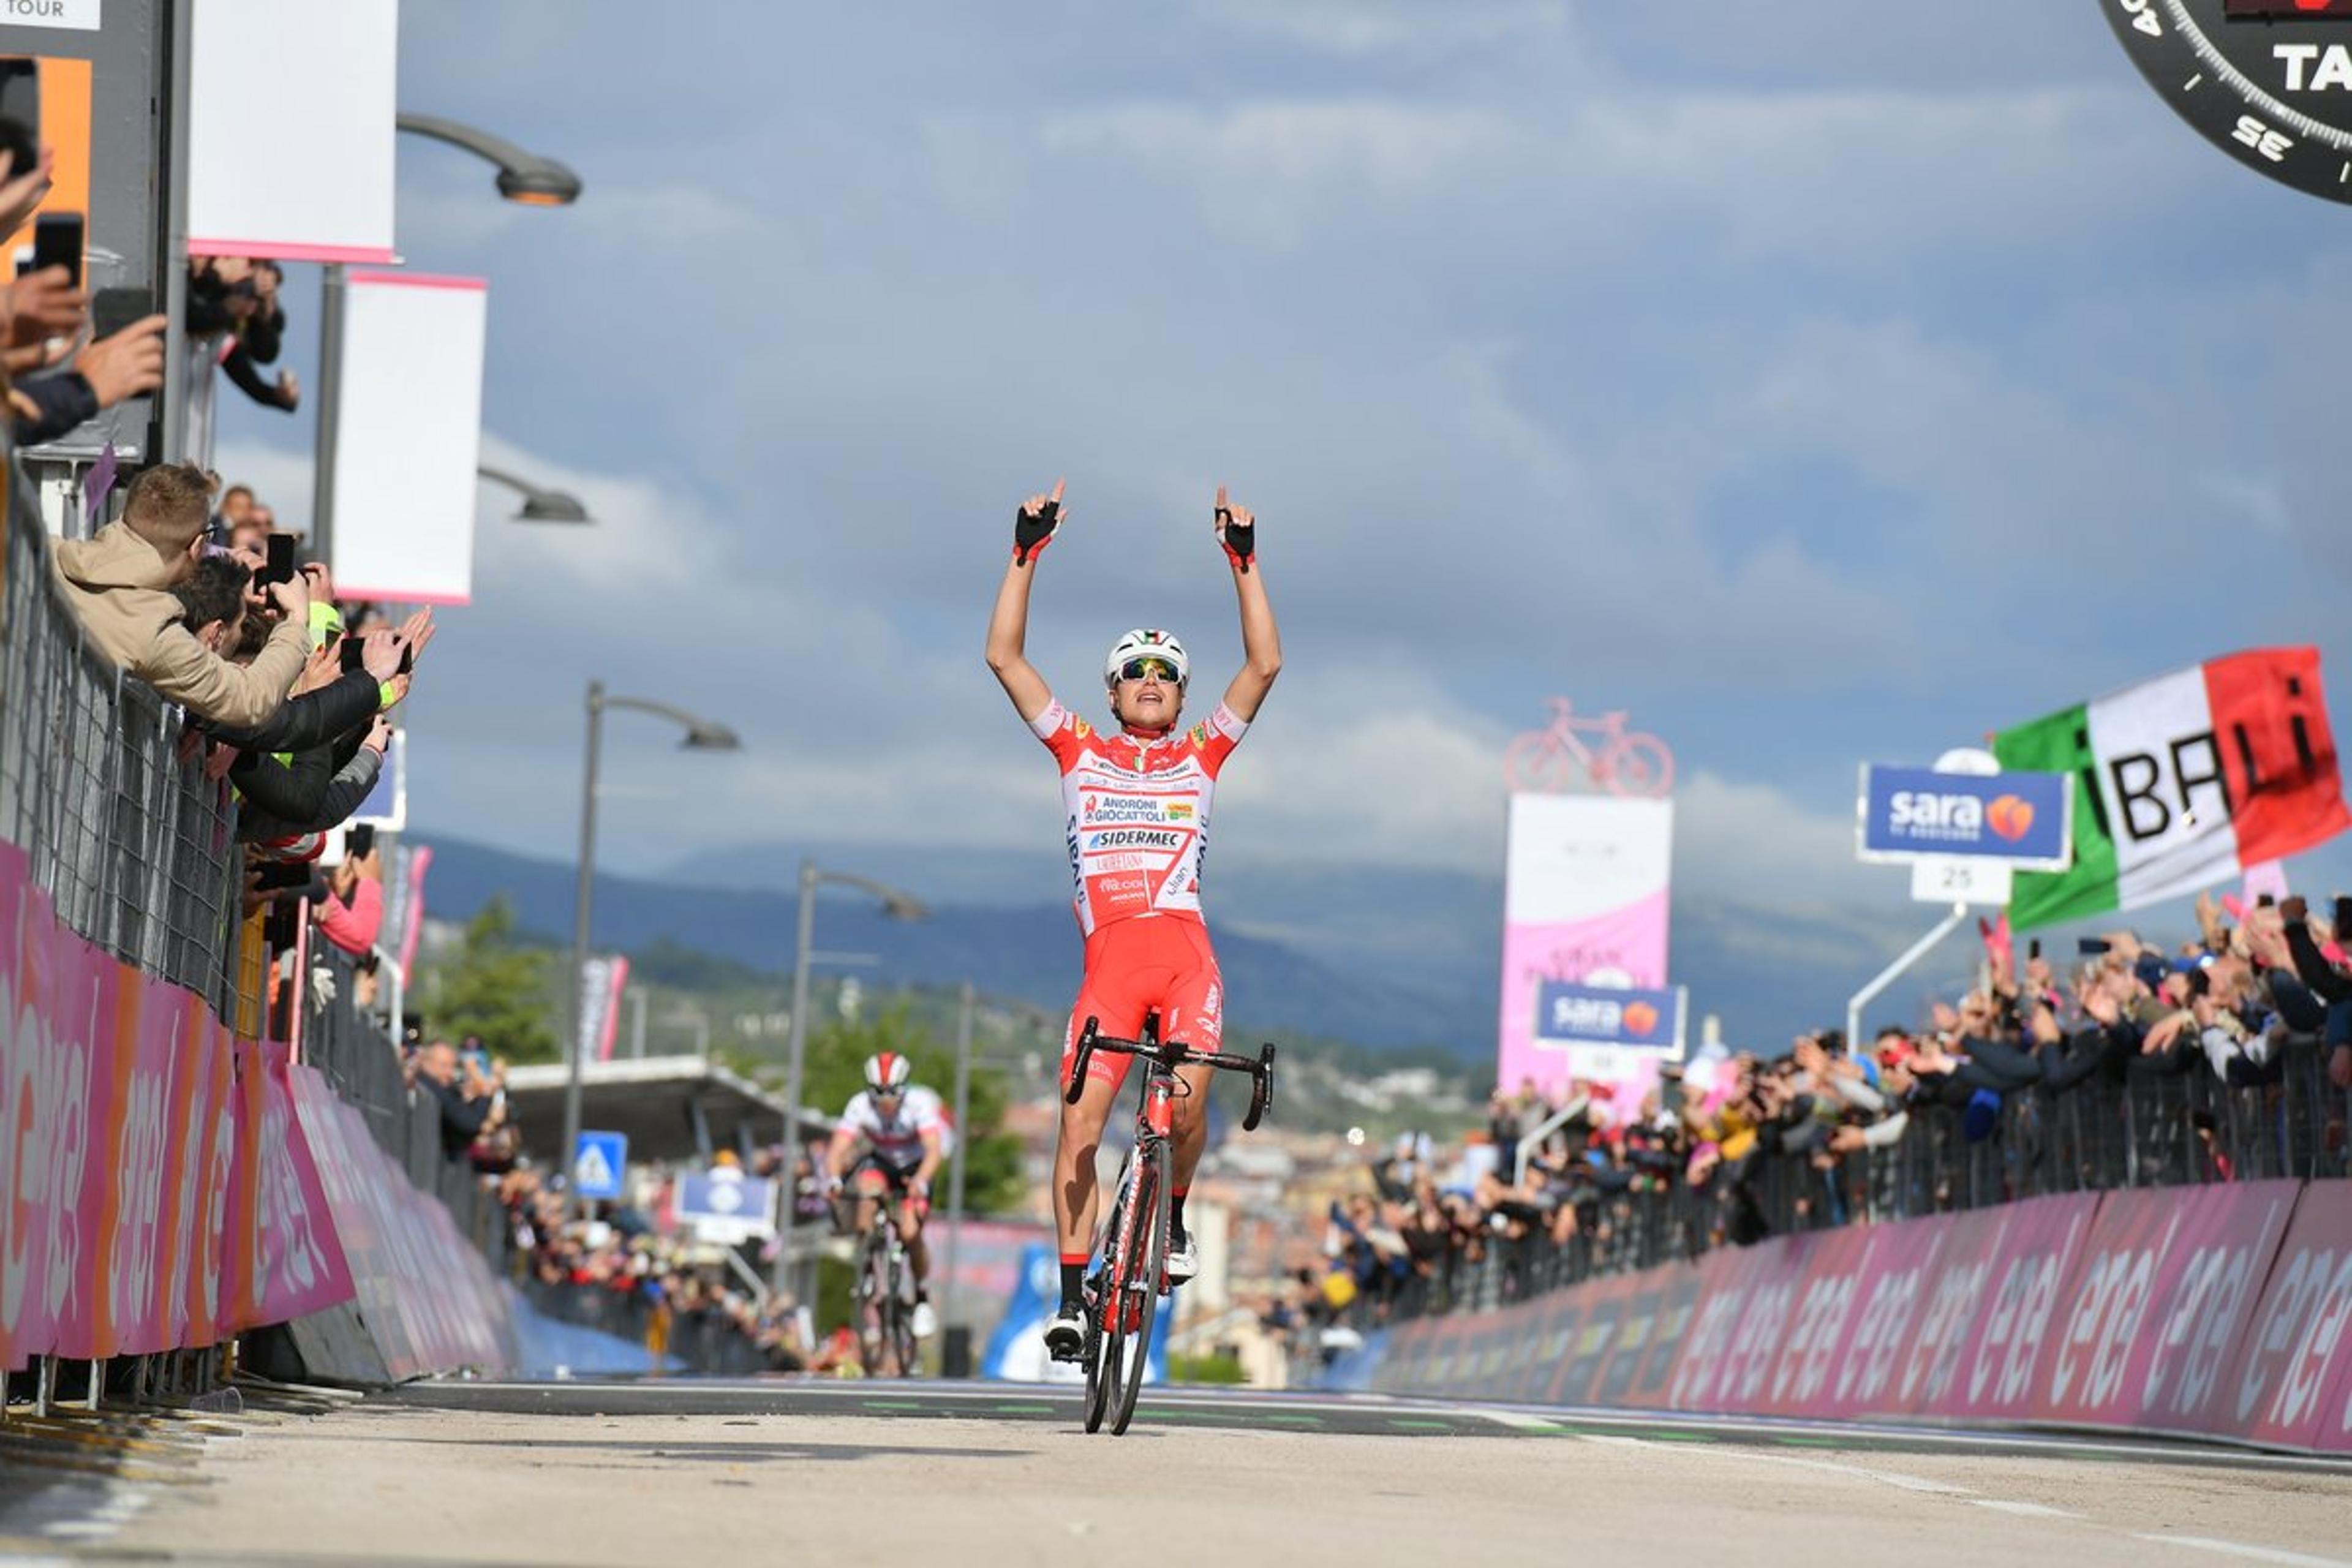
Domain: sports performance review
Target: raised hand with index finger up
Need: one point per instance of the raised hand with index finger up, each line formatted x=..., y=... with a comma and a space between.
x=1035, y=524
x=1236, y=531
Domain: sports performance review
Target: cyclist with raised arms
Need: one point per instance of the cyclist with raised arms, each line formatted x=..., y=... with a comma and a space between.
x=1135, y=802
x=891, y=1139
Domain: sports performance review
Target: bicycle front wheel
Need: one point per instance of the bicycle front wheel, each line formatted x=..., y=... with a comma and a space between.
x=1148, y=1261
x=1104, y=1334
x=902, y=1317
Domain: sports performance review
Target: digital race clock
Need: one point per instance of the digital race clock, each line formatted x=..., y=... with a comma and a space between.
x=2267, y=81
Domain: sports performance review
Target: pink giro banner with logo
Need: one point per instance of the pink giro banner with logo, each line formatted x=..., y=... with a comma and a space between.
x=426, y=1297
x=156, y=1193
x=1584, y=900
x=2219, y=1311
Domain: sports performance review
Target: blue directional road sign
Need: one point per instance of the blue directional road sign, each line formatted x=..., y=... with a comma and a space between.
x=597, y=1162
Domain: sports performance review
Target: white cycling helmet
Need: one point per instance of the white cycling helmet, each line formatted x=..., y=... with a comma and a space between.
x=888, y=1072
x=1147, y=642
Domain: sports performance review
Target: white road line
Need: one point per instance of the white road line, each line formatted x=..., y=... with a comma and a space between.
x=2250, y=1553
x=1895, y=1478
x=2022, y=1510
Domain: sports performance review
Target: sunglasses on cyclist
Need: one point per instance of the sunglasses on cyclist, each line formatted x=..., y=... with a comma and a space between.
x=1139, y=668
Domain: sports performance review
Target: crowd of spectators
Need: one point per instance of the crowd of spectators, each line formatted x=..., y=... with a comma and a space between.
x=633, y=1273
x=58, y=369
x=1733, y=1147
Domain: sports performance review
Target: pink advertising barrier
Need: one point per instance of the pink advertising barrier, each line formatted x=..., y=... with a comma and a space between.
x=2218, y=1311
x=2288, y=1382
x=426, y=1296
x=155, y=1192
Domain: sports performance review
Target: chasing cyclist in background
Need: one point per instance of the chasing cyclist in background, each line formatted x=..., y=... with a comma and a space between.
x=891, y=1139
x=1134, y=803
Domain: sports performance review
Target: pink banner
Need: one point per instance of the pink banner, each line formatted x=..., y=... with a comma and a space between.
x=1584, y=900
x=2286, y=1382
x=126, y=1148
x=428, y=1300
x=2168, y=1281
x=2219, y=1310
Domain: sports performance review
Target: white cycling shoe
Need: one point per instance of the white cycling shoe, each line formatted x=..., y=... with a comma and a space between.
x=1184, y=1258
x=927, y=1322
x=1066, y=1334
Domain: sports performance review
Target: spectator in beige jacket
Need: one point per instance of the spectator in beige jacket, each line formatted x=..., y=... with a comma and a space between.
x=121, y=584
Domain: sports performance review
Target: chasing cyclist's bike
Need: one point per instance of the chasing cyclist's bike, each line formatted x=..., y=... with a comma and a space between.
x=1133, y=1254
x=885, y=1294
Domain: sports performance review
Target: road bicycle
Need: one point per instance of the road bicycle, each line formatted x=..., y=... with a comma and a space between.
x=1132, y=1253
x=1552, y=760
x=885, y=1302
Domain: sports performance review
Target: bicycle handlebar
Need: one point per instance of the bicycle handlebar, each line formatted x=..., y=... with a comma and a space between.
x=1171, y=1055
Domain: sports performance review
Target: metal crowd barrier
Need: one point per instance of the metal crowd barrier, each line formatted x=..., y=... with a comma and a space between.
x=357, y=1057
x=704, y=1342
x=136, y=849
x=2182, y=1128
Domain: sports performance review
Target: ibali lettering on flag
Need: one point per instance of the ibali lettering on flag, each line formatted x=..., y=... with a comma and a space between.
x=2183, y=781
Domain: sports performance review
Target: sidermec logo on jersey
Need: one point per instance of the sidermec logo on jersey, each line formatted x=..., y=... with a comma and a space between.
x=1136, y=813
x=1137, y=839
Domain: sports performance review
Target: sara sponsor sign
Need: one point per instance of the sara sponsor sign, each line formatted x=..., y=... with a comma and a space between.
x=1607, y=1029
x=2020, y=819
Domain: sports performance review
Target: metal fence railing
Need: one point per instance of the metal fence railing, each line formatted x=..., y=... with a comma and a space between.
x=361, y=1063
x=135, y=847
x=2146, y=1130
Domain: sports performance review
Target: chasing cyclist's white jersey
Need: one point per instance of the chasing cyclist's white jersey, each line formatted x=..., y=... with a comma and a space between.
x=899, y=1138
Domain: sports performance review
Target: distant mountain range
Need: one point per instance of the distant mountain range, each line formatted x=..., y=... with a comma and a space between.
x=1381, y=957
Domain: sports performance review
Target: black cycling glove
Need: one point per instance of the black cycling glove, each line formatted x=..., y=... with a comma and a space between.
x=1240, y=539
x=1032, y=531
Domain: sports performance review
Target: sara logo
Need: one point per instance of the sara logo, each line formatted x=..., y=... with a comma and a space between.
x=2010, y=816
x=1640, y=1018
x=1955, y=818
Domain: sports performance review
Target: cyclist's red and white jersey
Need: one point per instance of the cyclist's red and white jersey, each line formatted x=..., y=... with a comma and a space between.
x=1135, y=812
x=899, y=1138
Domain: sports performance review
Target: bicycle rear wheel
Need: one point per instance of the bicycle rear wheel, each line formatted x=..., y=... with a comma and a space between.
x=1147, y=1264
x=873, y=1301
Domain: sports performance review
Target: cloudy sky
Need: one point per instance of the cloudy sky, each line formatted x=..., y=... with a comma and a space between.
x=1820, y=383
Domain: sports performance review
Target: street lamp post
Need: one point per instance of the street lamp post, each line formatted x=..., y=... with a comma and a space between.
x=526, y=178
x=701, y=735
x=538, y=504
x=899, y=906
x=964, y=1001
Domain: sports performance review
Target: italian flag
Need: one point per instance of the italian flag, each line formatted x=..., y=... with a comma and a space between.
x=2182, y=782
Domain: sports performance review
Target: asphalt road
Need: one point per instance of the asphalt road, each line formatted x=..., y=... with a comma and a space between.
x=775, y=1471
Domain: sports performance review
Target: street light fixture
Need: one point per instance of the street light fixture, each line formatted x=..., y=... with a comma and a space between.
x=539, y=505
x=897, y=905
x=530, y=179
x=701, y=735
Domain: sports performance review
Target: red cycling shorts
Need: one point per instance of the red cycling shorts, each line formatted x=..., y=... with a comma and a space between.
x=1140, y=964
